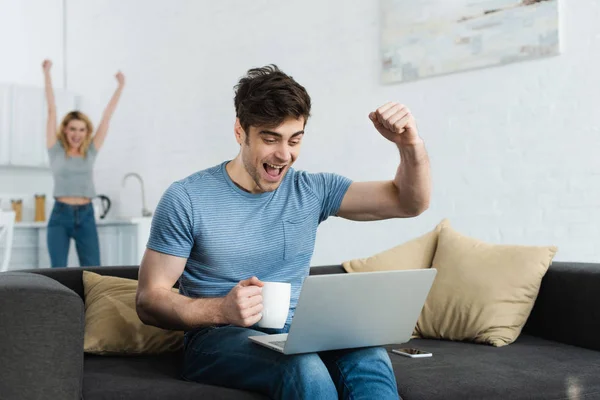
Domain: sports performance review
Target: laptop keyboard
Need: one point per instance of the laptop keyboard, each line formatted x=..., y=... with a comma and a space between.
x=278, y=343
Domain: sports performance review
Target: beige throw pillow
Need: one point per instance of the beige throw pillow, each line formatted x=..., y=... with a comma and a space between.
x=415, y=254
x=482, y=292
x=112, y=325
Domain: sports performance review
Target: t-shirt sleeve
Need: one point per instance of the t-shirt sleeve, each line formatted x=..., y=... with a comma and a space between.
x=92, y=148
x=56, y=148
x=172, y=225
x=330, y=189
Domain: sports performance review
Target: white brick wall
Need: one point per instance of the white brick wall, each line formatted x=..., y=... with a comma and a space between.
x=514, y=149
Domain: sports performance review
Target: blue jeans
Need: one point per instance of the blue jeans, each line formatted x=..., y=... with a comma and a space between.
x=224, y=356
x=73, y=222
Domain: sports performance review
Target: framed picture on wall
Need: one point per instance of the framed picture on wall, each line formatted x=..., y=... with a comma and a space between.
x=436, y=37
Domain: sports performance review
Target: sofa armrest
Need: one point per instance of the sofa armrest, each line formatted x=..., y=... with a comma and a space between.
x=41, y=338
x=567, y=308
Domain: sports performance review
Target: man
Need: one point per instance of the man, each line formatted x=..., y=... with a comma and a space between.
x=224, y=230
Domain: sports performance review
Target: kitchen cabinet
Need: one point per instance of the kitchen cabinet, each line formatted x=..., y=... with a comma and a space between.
x=23, y=116
x=122, y=242
x=4, y=124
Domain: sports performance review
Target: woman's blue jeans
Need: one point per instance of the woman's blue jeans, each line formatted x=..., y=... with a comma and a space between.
x=73, y=222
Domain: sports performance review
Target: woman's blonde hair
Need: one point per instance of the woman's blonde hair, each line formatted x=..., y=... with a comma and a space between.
x=76, y=115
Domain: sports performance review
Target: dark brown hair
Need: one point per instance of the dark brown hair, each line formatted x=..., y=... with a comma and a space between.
x=266, y=97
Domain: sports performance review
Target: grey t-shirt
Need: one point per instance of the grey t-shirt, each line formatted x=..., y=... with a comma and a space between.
x=73, y=176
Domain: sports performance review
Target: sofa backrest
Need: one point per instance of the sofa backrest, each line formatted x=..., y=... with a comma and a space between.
x=72, y=277
x=567, y=308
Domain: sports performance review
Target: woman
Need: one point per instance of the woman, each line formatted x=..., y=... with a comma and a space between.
x=72, y=152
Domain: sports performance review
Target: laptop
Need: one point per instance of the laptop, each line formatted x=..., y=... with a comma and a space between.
x=343, y=311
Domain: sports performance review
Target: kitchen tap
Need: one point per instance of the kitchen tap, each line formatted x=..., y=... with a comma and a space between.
x=145, y=211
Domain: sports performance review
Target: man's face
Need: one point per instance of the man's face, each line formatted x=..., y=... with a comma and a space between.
x=268, y=153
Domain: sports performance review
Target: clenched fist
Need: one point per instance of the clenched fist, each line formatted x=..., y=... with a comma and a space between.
x=120, y=78
x=46, y=65
x=395, y=123
x=243, y=304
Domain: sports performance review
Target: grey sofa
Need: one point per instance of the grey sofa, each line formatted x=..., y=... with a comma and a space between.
x=557, y=355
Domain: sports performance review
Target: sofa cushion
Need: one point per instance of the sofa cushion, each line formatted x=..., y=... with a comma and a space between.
x=147, y=377
x=415, y=254
x=112, y=325
x=482, y=292
x=530, y=368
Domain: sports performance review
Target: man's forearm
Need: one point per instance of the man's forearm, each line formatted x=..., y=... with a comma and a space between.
x=413, y=178
x=169, y=310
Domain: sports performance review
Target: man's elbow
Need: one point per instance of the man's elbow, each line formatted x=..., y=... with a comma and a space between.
x=423, y=206
x=414, y=210
x=142, y=307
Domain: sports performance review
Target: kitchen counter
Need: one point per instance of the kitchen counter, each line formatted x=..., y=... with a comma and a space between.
x=115, y=221
x=122, y=242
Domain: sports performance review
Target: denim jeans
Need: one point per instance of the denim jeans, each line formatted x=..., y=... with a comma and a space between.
x=73, y=222
x=224, y=356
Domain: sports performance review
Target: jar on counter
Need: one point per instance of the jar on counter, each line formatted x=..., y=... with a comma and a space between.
x=17, y=206
x=40, y=207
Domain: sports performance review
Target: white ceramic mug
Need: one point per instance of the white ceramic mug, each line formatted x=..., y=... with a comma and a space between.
x=276, y=304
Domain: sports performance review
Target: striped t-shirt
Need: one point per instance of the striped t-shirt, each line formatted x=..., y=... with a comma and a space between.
x=228, y=235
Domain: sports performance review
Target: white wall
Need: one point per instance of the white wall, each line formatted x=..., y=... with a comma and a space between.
x=30, y=31
x=514, y=149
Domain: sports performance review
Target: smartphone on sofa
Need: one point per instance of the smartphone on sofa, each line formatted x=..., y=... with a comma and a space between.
x=412, y=353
